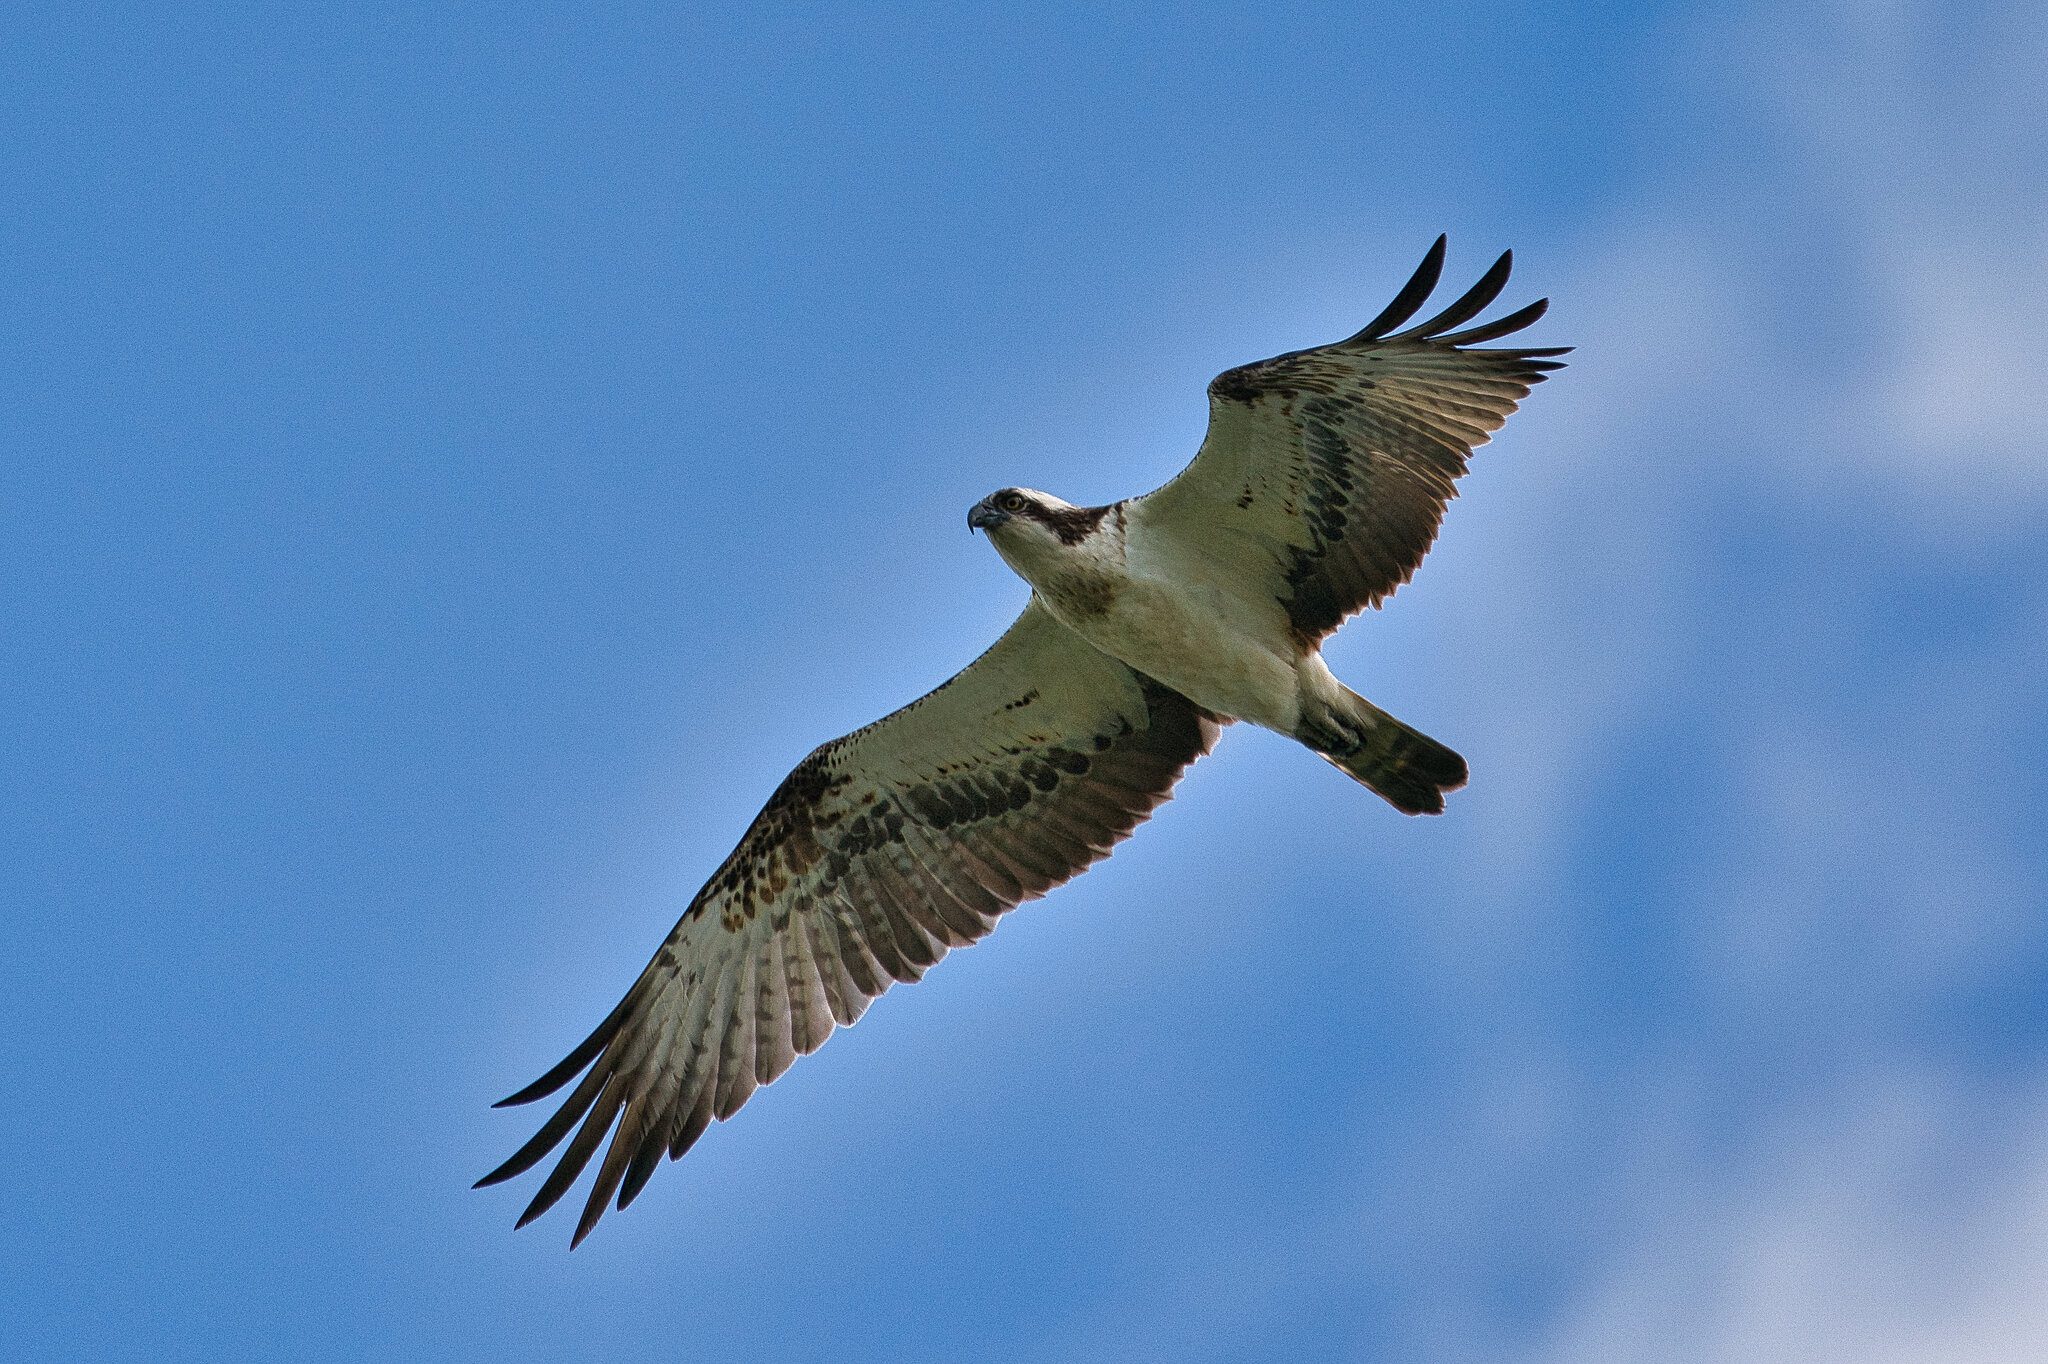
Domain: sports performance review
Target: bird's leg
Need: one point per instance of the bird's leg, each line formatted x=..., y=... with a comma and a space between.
x=1329, y=731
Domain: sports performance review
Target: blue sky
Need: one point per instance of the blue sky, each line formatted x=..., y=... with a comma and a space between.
x=459, y=462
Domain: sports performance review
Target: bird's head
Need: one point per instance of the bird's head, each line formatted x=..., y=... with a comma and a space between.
x=1035, y=532
x=1003, y=510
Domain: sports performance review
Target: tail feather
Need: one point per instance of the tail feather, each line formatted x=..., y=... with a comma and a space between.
x=1404, y=766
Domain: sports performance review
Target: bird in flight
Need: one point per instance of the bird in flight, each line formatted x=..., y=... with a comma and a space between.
x=1153, y=622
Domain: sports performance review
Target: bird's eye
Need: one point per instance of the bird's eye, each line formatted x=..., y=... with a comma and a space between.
x=1011, y=502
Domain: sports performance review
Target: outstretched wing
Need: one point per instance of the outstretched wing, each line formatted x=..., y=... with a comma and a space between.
x=1325, y=472
x=877, y=854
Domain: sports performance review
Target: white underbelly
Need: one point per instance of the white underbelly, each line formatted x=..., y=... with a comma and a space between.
x=1196, y=643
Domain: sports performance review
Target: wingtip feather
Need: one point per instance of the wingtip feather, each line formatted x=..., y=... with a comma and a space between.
x=1412, y=295
x=1499, y=327
x=1468, y=305
x=567, y=1069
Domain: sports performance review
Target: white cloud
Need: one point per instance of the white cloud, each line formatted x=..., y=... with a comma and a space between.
x=1895, y=395
x=1579, y=603
x=1896, y=1233
x=1881, y=1211
x=1924, y=129
x=1879, y=850
x=1862, y=861
x=1859, y=862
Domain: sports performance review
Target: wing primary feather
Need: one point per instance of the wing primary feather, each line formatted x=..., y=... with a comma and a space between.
x=734, y=1084
x=625, y=1144
x=774, y=1045
x=650, y=1136
x=646, y=1161
x=742, y=1022
x=577, y=1155
x=1469, y=305
x=694, y=1122
x=822, y=931
x=1488, y=331
x=809, y=1013
x=586, y=1051
x=551, y=1132
x=1412, y=296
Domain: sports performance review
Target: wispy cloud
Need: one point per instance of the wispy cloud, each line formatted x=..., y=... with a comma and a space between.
x=1926, y=128
x=1676, y=643
x=1877, y=1206
x=1902, y=1226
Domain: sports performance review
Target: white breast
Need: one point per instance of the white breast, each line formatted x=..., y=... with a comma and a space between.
x=1173, y=621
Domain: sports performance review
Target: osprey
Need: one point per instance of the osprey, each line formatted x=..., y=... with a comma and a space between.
x=1153, y=622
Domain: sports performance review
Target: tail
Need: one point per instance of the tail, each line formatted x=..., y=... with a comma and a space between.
x=1406, y=767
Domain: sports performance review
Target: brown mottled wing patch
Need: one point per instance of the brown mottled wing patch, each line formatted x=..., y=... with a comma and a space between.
x=878, y=854
x=1328, y=470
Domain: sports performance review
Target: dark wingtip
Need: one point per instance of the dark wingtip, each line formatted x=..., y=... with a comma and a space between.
x=1418, y=288
x=522, y=1160
x=565, y=1071
x=642, y=1168
x=586, y=1051
x=1499, y=327
x=508, y=1170
x=1468, y=304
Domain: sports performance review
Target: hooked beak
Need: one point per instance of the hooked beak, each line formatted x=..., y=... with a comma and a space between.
x=981, y=516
